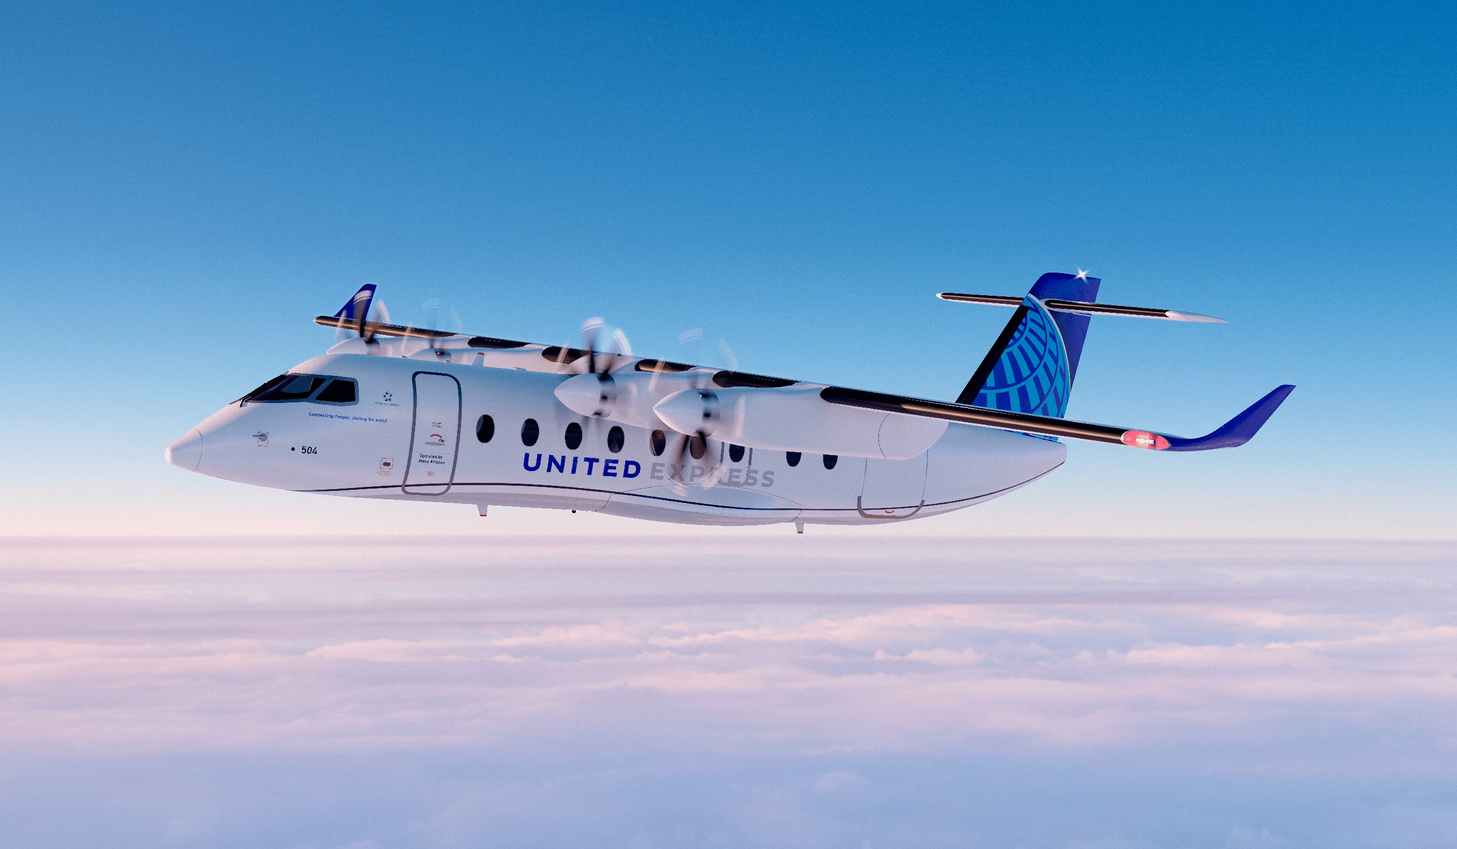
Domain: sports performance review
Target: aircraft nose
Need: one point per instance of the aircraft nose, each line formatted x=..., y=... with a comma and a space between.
x=186, y=453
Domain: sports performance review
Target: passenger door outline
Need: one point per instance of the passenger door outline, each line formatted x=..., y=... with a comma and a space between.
x=415, y=470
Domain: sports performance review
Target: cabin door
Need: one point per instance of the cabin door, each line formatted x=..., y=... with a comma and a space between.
x=435, y=436
x=893, y=488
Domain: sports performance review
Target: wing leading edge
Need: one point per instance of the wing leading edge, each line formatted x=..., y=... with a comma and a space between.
x=1235, y=432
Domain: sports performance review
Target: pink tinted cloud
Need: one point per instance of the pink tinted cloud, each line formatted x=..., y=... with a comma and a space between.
x=493, y=650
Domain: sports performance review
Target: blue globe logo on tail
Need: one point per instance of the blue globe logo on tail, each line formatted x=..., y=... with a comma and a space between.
x=1032, y=365
x=1032, y=375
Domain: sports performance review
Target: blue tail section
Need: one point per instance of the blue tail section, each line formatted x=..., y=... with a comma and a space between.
x=1074, y=328
x=1031, y=367
x=357, y=308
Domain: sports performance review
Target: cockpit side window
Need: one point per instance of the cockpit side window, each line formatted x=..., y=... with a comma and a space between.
x=314, y=388
x=267, y=385
x=339, y=391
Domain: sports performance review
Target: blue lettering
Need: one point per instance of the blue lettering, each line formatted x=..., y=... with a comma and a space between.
x=574, y=465
x=768, y=478
x=631, y=469
x=590, y=461
x=556, y=464
x=526, y=462
x=609, y=468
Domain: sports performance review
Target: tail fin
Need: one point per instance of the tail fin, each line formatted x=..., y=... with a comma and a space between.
x=1030, y=368
x=356, y=309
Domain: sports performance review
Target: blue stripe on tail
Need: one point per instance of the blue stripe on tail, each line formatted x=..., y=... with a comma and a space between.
x=1068, y=287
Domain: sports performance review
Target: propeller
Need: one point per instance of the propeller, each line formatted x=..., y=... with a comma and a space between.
x=602, y=362
x=697, y=445
x=439, y=316
x=591, y=360
x=368, y=310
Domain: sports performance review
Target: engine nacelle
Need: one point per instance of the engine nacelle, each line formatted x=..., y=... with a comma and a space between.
x=797, y=419
x=627, y=397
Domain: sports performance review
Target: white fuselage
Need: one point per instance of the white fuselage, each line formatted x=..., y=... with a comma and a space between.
x=413, y=433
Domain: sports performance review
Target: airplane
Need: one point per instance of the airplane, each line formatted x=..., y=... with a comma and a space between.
x=408, y=413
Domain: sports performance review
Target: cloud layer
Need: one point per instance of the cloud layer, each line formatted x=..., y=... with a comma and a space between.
x=735, y=683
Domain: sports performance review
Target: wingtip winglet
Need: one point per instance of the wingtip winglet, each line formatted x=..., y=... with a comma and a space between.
x=1238, y=430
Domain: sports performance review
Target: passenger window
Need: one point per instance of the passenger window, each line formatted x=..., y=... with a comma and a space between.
x=616, y=439
x=736, y=453
x=792, y=457
x=697, y=447
x=658, y=442
x=530, y=432
x=574, y=436
x=339, y=391
x=485, y=428
x=831, y=460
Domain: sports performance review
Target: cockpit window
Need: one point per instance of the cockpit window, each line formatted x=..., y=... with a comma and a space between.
x=265, y=387
x=315, y=388
x=339, y=391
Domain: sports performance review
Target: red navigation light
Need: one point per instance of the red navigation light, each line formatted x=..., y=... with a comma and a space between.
x=1144, y=439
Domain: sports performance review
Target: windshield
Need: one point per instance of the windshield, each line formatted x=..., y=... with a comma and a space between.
x=315, y=388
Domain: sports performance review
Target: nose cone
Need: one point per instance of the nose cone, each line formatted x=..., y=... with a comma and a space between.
x=588, y=394
x=689, y=411
x=186, y=453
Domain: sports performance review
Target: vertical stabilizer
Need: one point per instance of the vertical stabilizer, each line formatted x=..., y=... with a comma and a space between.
x=356, y=309
x=1030, y=368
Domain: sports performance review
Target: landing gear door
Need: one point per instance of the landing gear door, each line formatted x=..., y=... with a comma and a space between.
x=435, y=435
x=893, y=488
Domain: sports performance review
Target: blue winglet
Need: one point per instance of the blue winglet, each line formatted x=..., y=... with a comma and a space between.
x=1238, y=430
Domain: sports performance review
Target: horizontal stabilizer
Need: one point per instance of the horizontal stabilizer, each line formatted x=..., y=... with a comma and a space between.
x=1237, y=431
x=1084, y=308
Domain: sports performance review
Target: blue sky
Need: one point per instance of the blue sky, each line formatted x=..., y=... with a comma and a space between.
x=183, y=186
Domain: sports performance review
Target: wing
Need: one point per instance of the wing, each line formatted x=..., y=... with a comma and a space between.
x=1237, y=431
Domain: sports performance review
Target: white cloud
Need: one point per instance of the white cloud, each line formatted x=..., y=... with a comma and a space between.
x=508, y=651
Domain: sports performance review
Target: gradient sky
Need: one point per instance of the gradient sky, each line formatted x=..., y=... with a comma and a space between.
x=183, y=186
